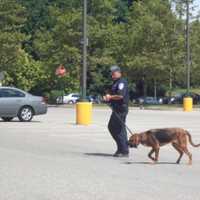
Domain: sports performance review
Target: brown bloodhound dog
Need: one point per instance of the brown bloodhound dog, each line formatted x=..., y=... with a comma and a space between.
x=156, y=138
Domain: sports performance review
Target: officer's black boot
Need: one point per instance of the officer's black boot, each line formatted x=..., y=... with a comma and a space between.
x=121, y=155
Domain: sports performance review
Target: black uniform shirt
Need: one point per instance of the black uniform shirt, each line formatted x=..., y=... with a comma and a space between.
x=120, y=87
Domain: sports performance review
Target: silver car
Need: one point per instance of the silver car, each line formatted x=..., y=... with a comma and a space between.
x=18, y=103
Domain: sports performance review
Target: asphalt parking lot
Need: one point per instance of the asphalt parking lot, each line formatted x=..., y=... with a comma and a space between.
x=52, y=158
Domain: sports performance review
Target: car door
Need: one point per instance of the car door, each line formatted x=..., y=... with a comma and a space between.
x=75, y=97
x=10, y=101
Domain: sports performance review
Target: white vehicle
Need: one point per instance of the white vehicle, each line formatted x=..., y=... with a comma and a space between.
x=68, y=99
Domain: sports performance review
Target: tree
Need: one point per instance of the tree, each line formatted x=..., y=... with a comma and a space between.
x=145, y=37
x=104, y=43
x=26, y=74
x=195, y=47
x=153, y=45
x=60, y=45
x=12, y=18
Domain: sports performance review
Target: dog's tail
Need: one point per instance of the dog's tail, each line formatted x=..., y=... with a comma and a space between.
x=190, y=140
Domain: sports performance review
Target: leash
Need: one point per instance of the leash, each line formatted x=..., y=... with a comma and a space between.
x=117, y=115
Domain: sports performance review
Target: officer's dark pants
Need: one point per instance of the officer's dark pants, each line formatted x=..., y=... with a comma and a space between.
x=118, y=131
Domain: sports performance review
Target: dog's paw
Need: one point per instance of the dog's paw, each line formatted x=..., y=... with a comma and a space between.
x=190, y=163
x=152, y=162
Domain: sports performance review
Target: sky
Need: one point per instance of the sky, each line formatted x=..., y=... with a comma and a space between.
x=196, y=7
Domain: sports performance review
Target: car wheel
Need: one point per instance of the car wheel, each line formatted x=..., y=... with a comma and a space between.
x=7, y=119
x=70, y=102
x=25, y=114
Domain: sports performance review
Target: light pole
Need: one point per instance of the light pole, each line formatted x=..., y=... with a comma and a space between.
x=188, y=57
x=188, y=101
x=84, y=57
x=83, y=107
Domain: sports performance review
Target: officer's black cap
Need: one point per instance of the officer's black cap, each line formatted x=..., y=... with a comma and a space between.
x=115, y=68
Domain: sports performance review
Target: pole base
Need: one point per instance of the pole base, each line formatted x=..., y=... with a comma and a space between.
x=83, y=113
x=187, y=104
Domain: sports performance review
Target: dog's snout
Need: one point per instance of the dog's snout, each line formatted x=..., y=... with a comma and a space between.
x=135, y=146
x=130, y=144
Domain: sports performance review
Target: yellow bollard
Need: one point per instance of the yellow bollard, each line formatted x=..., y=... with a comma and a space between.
x=187, y=104
x=84, y=113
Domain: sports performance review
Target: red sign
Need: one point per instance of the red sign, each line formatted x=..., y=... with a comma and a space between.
x=61, y=71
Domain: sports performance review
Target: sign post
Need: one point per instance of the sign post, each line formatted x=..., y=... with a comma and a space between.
x=1, y=77
x=61, y=72
x=85, y=41
x=188, y=101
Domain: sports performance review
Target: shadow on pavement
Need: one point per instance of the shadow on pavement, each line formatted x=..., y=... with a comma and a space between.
x=150, y=163
x=1, y=121
x=99, y=154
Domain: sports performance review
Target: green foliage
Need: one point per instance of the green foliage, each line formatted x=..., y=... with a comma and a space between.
x=26, y=73
x=195, y=47
x=52, y=96
x=12, y=18
x=145, y=37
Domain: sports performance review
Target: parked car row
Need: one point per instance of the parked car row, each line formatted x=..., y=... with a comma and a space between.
x=149, y=101
x=68, y=99
x=75, y=97
x=18, y=103
x=178, y=99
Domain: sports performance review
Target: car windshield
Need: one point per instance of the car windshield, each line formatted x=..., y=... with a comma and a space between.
x=149, y=98
x=75, y=96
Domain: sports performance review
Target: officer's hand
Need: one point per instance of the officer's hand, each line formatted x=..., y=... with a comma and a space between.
x=107, y=97
x=104, y=98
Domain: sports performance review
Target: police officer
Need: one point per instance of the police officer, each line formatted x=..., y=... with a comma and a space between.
x=118, y=98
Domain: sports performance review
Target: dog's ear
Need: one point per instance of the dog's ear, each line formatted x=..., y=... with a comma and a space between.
x=134, y=134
